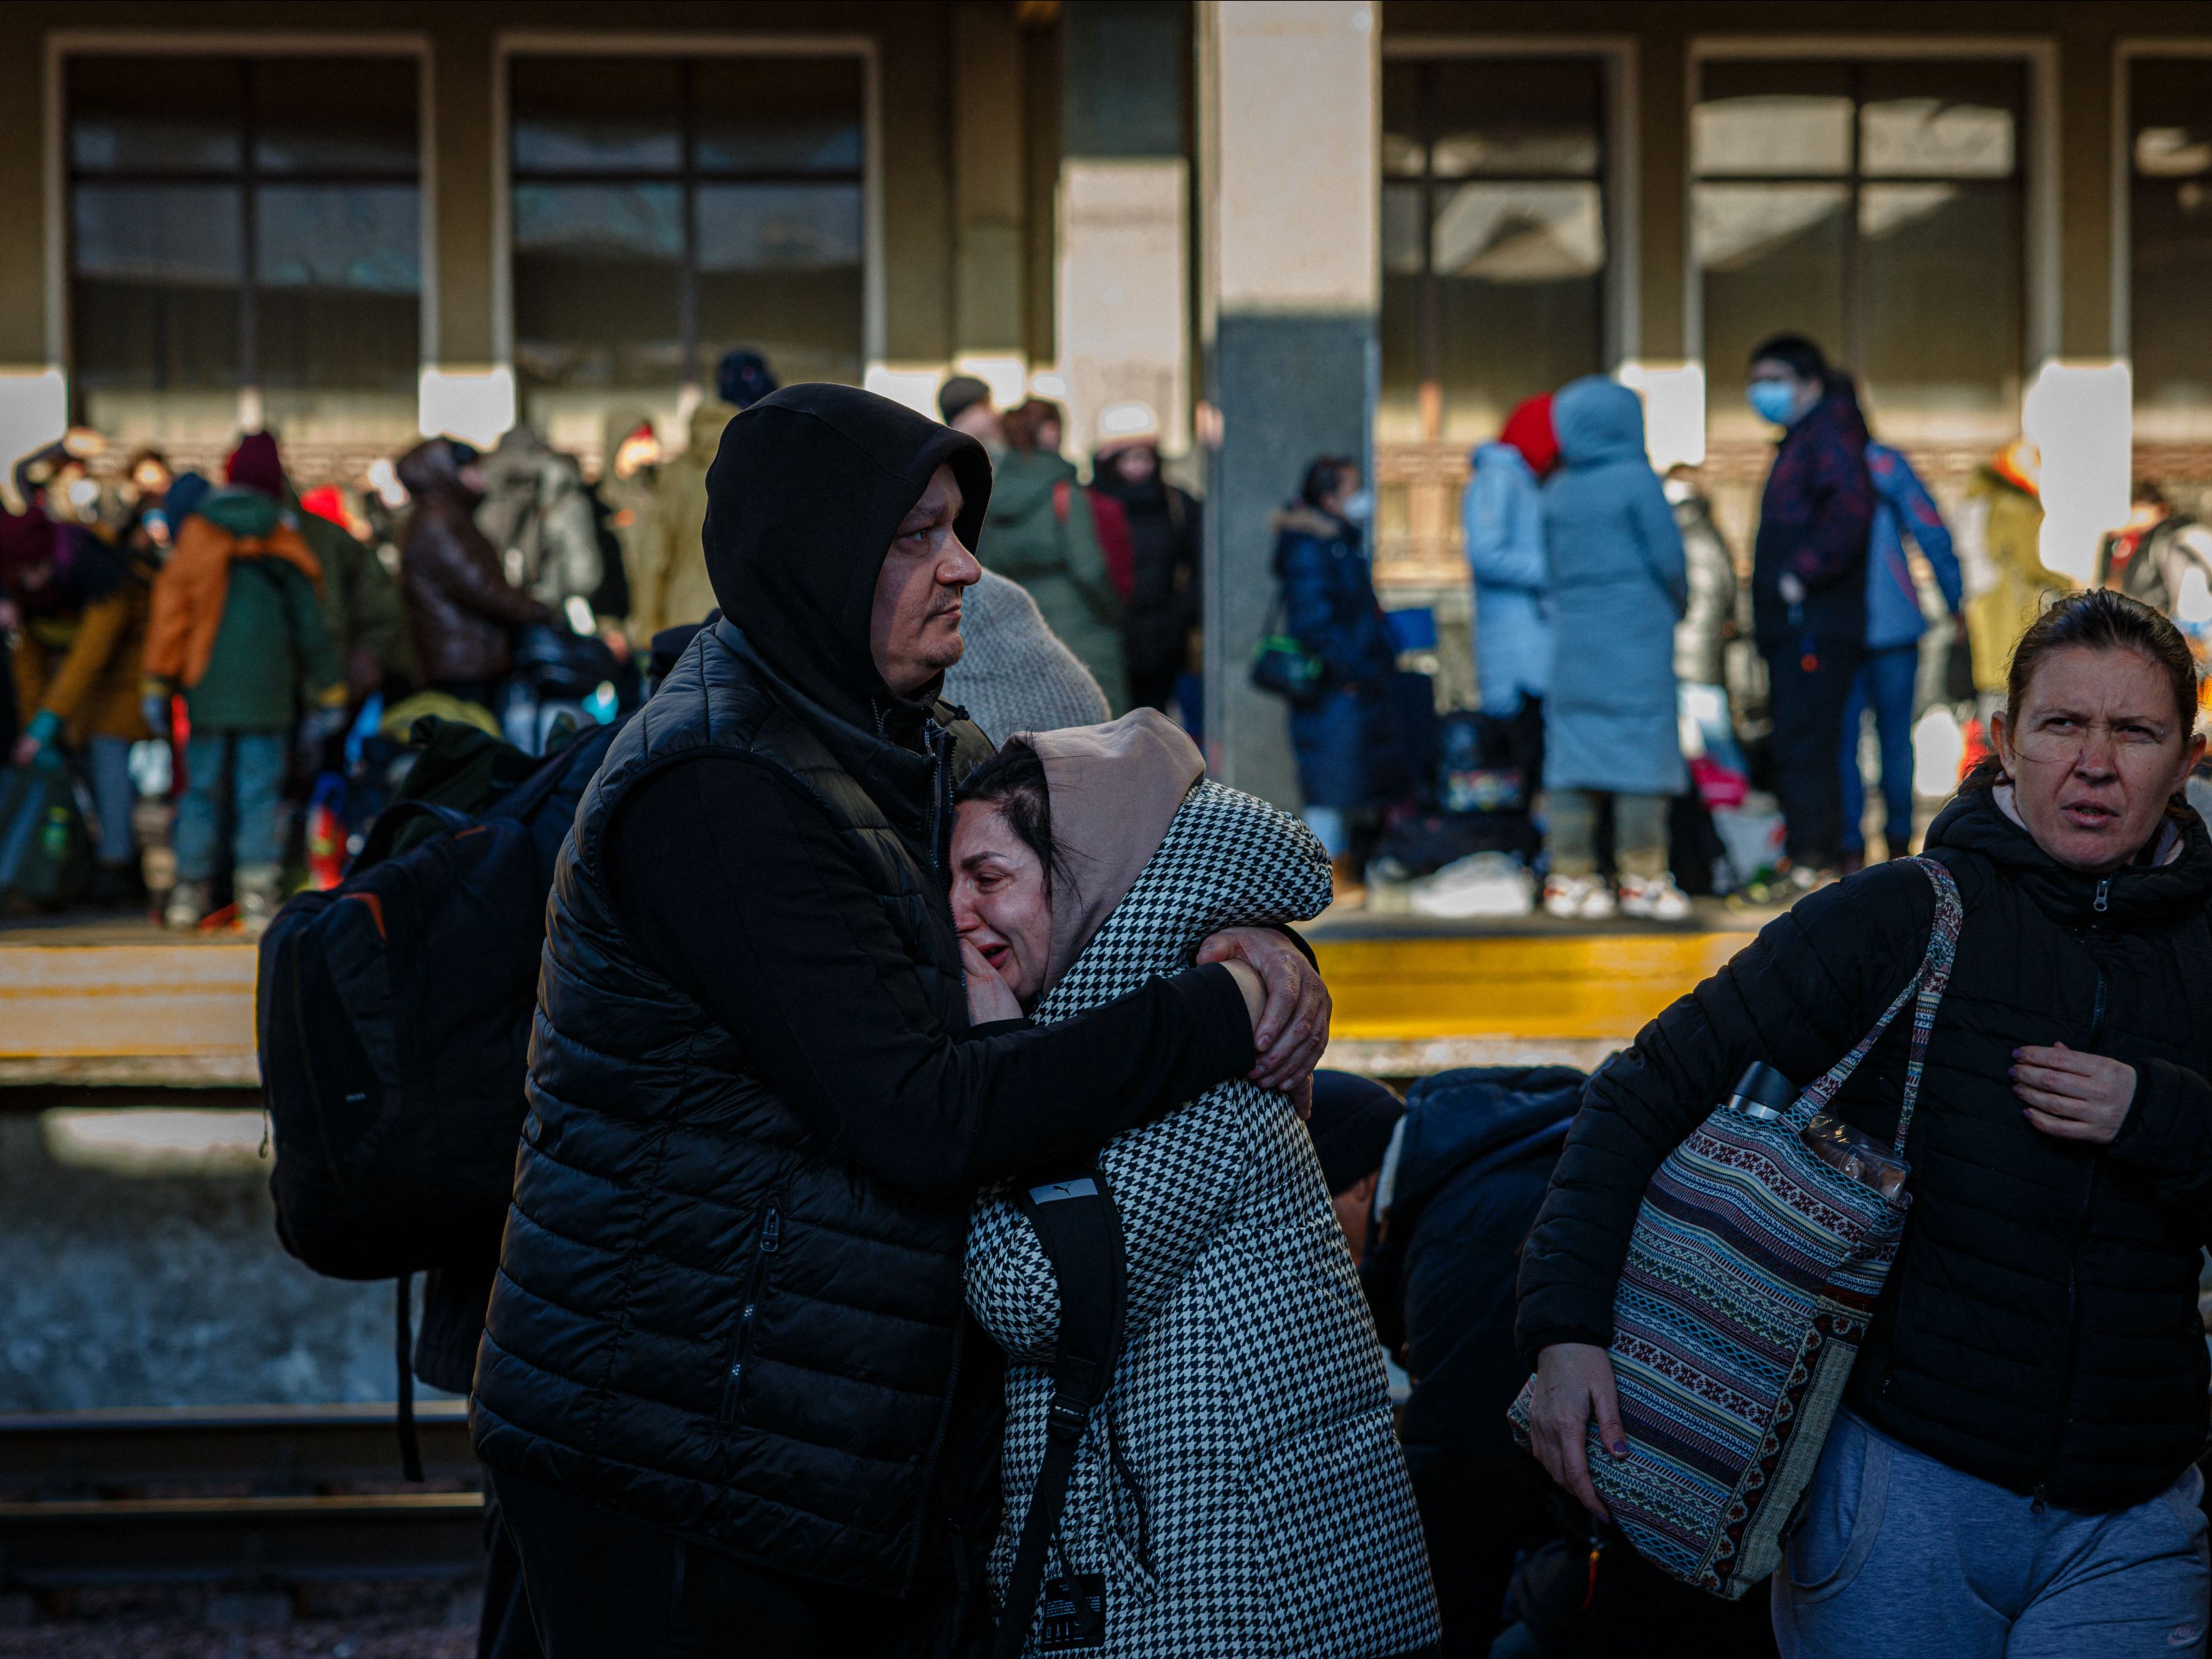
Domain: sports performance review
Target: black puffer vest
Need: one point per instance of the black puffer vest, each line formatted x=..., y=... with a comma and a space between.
x=705, y=1318
x=2040, y=1328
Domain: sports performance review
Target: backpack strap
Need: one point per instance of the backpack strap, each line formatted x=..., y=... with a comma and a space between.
x=1081, y=1232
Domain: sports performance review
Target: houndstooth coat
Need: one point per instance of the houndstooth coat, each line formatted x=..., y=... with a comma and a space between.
x=1240, y=1486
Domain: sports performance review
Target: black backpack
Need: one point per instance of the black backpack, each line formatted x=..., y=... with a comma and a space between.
x=393, y=1019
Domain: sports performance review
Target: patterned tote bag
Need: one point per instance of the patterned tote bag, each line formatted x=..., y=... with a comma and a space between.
x=1760, y=1248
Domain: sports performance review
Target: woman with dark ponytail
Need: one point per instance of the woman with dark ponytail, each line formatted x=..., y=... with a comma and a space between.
x=2013, y=1472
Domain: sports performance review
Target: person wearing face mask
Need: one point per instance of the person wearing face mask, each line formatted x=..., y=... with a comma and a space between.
x=1238, y=1490
x=2013, y=1473
x=727, y=1391
x=1343, y=733
x=1809, y=587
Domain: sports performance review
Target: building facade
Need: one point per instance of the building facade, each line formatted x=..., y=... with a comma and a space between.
x=1291, y=226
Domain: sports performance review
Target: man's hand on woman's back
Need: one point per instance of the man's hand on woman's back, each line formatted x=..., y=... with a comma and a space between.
x=1293, y=1024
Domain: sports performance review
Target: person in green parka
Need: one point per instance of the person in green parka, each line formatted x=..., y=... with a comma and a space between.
x=1039, y=532
x=238, y=628
x=361, y=609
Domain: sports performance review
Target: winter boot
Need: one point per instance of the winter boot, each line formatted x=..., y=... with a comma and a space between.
x=260, y=890
x=188, y=903
x=1655, y=898
x=1577, y=898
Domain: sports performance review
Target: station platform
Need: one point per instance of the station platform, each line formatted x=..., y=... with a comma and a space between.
x=116, y=1002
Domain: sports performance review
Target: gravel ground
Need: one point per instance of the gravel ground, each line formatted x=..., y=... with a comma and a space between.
x=326, y=1621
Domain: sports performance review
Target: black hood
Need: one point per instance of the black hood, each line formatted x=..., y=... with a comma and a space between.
x=804, y=494
x=2136, y=896
x=1456, y=1118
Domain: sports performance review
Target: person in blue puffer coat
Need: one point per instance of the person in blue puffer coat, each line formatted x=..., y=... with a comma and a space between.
x=1345, y=738
x=1617, y=588
x=1503, y=515
x=1891, y=667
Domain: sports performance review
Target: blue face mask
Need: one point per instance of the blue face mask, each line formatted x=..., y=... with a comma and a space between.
x=1774, y=400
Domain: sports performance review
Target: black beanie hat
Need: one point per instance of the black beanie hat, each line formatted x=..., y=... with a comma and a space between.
x=1353, y=1118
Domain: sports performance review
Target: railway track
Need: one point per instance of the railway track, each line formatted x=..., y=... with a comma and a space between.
x=254, y=1497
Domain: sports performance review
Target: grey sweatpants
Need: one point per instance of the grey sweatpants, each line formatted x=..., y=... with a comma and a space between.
x=1897, y=1556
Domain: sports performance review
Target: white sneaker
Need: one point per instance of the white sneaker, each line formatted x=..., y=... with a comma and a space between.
x=188, y=903
x=1577, y=898
x=260, y=892
x=1653, y=896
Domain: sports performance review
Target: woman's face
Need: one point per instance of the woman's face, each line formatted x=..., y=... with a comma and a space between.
x=1000, y=904
x=2099, y=750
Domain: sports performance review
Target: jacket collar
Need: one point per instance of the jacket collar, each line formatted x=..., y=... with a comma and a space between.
x=2135, y=898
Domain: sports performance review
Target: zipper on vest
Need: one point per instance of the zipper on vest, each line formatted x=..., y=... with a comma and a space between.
x=929, y=1463
x=2104, y=893
x=2060, y=1413
x=771, y=1230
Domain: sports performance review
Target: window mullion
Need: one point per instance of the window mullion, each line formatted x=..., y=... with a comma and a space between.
x=687, y=304
x=249, y=343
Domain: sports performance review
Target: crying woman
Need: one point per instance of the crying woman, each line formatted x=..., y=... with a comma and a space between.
x=1239, y=1489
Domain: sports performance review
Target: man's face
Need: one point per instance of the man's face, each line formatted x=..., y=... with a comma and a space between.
x=914, y=630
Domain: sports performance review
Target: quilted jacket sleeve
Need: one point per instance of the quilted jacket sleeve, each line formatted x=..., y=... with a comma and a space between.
x=2167, y=1134
x=1799, y=997
x=1174, y=1184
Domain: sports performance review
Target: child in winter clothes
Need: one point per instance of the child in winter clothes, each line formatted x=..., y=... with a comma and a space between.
x=238, y=628
x=1238, y=1490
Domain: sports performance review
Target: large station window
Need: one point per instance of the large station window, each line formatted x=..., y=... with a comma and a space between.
x=667, y=209
x=239, y=224
x=1493, y=238
x=1875, y=206
x=2170, y=245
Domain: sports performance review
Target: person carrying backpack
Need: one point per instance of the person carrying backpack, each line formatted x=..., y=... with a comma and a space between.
x=237, y=626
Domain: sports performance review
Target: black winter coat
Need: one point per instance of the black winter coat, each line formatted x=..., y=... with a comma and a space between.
x=730, y=1295
x=1163, y=606
x=2040, y=1327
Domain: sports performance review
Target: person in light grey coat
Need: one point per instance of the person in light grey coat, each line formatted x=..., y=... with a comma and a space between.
x=1617, y=588
x=1015, y=674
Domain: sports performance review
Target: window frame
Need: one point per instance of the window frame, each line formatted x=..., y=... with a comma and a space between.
x=2036, y=152
x=1619, y=145
x=2125, y=52
x=511, y=45
x=61, y=176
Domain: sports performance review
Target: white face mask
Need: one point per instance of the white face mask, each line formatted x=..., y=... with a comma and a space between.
x=1359, y=507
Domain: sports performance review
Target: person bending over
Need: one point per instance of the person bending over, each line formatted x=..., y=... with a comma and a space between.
x=1239, y=1488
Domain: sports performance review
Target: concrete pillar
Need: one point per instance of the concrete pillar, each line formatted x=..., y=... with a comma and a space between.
x=989, y=256
x=1289, y=232
x=1122, y=274
x=468, y=377
x=33, y=396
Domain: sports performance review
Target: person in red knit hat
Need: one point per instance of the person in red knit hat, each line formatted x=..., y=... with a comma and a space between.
x=1504, y=518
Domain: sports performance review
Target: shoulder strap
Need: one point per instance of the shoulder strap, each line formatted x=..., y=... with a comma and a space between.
x=1924, y=990
x=1081, y=1232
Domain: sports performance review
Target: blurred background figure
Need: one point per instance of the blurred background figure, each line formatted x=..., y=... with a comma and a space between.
x=1888, y=676
x=363, y=611
x=1809, y=587
x=1502, y=516
x=2009, y=585
x=1040, y=531
x=622, y=501
x=669, y=585
x=742, y=379
x=1342, y=731
x=1160, y=608
x=460, y=608
x=2154, y=553
x=535, y=513
x=964, y=403
x=1617, y=588
x=237, y=627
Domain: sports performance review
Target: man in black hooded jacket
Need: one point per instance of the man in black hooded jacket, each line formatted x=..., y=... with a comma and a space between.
x=728, y=1387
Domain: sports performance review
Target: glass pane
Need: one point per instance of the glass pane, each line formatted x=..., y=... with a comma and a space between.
x=1519, y=232
x=1942, y=276
x=778, y=114
x=1398, y=418
x=1507, y=336
x=779, y=227
x=596, y=115
x=1767, y=119
x=154, y=115
x=598, y=284
x=1537, y=115
x=2170, y=246
x=334, y=114
x=1403, y=230
x=1401, y=118
x=337, y=339
x=155, y=300
x=1772, y=258
x=1946, y=118
x=338, y=236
